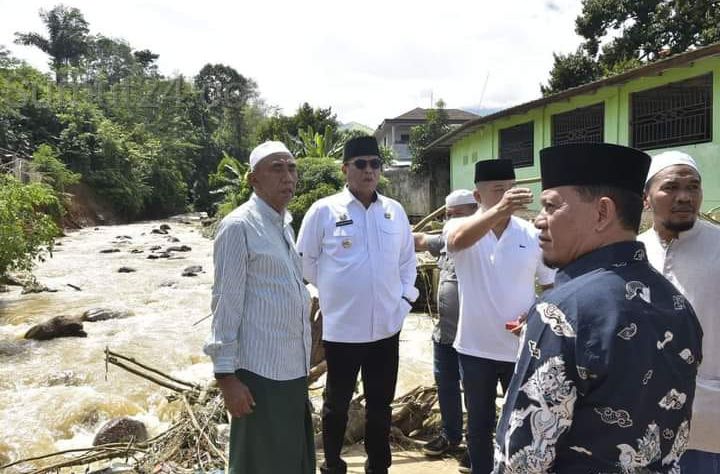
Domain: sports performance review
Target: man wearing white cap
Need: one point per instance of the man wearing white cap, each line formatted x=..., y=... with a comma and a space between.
x=260, y=340
x=459, y=203
x=686, y=251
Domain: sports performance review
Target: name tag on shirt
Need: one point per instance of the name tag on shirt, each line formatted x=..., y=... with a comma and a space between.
x=343, y=223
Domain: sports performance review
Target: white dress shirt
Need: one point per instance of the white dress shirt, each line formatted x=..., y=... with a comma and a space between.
x=260, y=306
x=496, y=283
x=692, y=263
x=363, y=264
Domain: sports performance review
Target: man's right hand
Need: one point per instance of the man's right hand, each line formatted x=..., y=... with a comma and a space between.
x=238, y=399
x=515, y=199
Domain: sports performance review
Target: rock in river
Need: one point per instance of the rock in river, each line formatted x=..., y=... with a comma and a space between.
x=59, y=326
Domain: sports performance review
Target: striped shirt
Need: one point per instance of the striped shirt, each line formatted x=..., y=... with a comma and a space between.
x=260, y=306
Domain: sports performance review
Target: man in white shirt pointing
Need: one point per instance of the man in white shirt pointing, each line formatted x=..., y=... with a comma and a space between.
x=357, y=248
x=497, y=260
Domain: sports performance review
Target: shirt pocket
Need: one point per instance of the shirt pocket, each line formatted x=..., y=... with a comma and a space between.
x=391, y=236
x=342, y=242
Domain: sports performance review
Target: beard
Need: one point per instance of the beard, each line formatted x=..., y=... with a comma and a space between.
x=681, y=226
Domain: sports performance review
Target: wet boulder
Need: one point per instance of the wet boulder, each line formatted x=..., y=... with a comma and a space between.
x=159, y=231
x=59, y=326
x=192, y=271
x=103, y=314
x=164, y=227
x=179, y=248
x=121, y=430
x=109, y=250
x=126, y=270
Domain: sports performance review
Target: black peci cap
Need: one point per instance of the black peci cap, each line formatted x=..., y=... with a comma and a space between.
x=494, y=170
x=360, y=146
x=603, y=164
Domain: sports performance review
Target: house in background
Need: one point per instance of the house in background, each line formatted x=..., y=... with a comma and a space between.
x=672, y=104
x=395, y=132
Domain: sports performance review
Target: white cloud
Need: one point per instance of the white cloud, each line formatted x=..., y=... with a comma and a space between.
x=368, y=61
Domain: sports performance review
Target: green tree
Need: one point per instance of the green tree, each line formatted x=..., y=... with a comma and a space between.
x=27, y=228
x=313, y=144
x=421, y=136
x=287, y=128
x=623, y=34
x=317, y=177
x=108, y=60
x=146, y=61
x=66, y=42
x=571, y=70
x=54, y=172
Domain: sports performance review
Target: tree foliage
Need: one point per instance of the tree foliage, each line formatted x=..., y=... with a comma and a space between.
x=422, y=135
x=287, y=128
x=66, y=42
x=623, y=34
x=27, y=228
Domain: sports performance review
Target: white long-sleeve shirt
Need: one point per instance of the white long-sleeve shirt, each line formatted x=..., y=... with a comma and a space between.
x=260, y=306
x=363, y=264
x=692, y=263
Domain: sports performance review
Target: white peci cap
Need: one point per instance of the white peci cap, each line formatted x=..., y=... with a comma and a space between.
x=669, y=158
x=266, y=149
x=459, y=197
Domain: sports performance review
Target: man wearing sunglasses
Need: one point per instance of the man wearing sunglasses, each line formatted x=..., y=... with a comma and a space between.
x=357, y=248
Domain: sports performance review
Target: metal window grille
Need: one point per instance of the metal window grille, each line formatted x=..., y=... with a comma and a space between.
x=584, y=125
x=516, y=144
x=679, y=113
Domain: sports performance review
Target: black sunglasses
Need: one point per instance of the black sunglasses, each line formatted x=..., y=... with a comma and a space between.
x=361, y=164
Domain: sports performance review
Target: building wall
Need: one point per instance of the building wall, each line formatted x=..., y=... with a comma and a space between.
x=419, y=195
x=483, y=144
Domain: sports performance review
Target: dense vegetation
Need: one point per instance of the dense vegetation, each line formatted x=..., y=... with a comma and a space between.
x=619, y=35
x=150, y=145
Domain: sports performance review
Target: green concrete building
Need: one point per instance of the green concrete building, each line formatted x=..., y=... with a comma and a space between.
x=669, y=104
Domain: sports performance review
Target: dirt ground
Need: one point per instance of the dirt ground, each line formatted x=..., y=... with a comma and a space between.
x=404, y=462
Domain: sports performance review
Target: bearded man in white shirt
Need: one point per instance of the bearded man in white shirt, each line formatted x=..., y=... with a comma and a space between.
x=497, y=261
x=686, y=250
x=357, y=248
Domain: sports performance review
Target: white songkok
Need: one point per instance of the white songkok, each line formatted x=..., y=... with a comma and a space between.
x=459, y=197
x=266, y=149
x=670, y=158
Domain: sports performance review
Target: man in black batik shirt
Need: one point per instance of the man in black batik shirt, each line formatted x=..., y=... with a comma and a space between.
x=606, y=375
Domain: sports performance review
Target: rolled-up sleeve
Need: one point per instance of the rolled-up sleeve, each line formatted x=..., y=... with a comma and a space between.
x=408, y=264
x=230, y=256
x=309, y=244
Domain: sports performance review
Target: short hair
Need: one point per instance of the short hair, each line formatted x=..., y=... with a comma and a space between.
x=629, y=204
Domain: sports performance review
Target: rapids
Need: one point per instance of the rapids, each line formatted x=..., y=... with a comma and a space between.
x=55, y=394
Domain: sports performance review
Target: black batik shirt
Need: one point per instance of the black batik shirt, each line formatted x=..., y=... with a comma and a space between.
x=606, y=375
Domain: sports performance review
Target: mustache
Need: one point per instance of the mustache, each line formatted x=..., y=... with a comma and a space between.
x=683, y=208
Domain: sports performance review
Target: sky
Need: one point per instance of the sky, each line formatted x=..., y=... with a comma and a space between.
x=367, y=60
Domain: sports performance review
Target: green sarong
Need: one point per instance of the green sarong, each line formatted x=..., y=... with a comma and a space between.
x=277, y=438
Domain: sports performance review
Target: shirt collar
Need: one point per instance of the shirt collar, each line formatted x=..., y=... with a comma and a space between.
x=348, y=197
x=620, y=254
x=266, y=210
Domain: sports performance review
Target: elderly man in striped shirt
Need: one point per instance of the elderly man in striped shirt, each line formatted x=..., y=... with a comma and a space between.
x=260, y=341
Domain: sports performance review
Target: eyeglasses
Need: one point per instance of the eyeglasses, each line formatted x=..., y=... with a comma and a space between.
x=361, y=164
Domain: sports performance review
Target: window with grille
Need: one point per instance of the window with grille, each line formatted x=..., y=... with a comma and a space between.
x=679, y=113
x=516, y=144
x=583, y=125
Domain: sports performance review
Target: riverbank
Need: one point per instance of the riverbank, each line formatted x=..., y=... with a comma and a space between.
x=55, y=394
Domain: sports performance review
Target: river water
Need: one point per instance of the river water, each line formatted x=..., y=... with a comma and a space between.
x=54, y=395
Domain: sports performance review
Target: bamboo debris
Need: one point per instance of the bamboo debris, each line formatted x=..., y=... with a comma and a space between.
x=193, y=443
